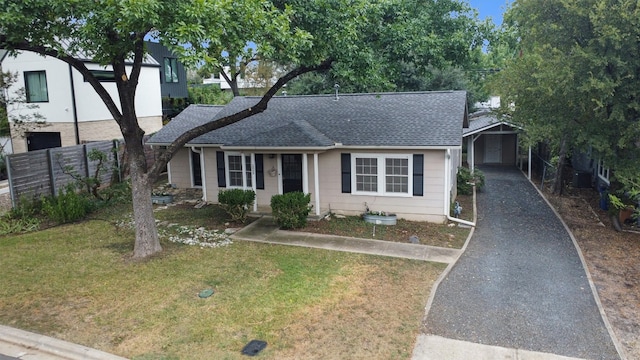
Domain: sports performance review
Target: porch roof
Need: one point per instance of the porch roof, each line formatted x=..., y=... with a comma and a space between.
x=415, y=119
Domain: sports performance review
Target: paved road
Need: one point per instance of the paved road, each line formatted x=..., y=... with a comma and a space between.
x=520, y=283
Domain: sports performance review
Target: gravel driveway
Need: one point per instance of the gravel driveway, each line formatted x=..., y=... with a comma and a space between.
x=520, y=283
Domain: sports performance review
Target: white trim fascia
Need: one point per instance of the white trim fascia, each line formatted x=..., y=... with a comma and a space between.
x=280, y=149
x=404, y=148
x=490, y=127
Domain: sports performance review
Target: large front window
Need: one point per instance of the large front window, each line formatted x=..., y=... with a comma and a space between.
x=170, y=70
x=36, y=86
x=234, y=170
x=381, y=174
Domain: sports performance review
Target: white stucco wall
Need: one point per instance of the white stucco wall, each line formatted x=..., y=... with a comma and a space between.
x=89, y=106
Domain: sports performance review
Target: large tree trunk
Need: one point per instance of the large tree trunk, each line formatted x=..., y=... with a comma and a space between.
x=562, y=157
x=147, y=242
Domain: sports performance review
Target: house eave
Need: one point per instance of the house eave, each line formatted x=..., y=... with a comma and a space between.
x=479, y=130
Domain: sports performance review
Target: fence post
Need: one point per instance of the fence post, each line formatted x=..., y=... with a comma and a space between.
x=52, y=179
x=85, y=155
x=10, y=177
x=116, y=158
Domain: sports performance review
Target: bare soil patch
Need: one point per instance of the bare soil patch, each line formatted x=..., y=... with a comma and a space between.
x=613, y=259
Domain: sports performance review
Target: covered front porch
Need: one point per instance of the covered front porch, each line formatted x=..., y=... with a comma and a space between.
x=266, y=171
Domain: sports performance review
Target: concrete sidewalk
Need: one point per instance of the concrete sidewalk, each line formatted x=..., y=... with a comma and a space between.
x=24, y=345
x=266, y=231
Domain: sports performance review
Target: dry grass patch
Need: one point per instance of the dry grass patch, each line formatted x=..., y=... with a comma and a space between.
x=75, y=282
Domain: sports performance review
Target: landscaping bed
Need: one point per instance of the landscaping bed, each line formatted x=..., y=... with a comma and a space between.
x=613, y=261
x=442, y=235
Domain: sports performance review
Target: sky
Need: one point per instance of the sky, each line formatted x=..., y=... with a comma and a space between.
x=490, y=8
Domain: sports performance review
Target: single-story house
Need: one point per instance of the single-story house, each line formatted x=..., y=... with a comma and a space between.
x=393, y=152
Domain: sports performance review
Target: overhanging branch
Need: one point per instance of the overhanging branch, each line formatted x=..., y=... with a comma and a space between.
x=261, y=106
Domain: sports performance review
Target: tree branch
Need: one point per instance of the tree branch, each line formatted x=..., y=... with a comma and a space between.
x=261, y=106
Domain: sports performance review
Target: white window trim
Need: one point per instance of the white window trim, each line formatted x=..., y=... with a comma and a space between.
x=244, y=170
x=603, y=172
x=382, y=188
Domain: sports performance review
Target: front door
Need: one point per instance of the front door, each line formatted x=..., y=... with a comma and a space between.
x=291, y=173
x=493, y=149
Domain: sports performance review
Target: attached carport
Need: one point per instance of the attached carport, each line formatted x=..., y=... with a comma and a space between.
x=490, y=141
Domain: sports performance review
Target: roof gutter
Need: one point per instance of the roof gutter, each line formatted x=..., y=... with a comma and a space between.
x=447, y=199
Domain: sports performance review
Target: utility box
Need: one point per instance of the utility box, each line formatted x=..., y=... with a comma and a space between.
x=582, y=179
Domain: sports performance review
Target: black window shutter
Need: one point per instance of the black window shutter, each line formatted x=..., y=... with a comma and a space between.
x=222, y=182
x=418, y=175
x=259, y=172
x=346, y=173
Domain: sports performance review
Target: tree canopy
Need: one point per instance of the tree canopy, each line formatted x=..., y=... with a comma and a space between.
x=113, y=33
x=574, y=81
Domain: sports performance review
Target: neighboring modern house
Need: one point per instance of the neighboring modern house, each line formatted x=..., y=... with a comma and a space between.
x=394, y=152
x=71, y=107
x=173, y=79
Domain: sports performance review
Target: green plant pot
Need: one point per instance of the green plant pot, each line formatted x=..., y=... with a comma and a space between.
x=380, y=219
x=161, y=199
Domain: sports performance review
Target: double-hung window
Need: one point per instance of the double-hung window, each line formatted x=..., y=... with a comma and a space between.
x=36, y=86
x=235, y=170
x=170, y=70
x=603, y=171
x=380, y=174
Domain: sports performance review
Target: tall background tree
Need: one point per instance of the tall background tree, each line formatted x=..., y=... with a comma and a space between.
x=574, y=81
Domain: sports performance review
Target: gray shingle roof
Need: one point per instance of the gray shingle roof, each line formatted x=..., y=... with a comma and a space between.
x=387, y=119
x=483, y=122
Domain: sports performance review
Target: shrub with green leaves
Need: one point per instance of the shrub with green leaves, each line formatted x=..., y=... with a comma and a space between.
x=236, y=202
x=68, y=206
x=466, y=180
x=290, y=210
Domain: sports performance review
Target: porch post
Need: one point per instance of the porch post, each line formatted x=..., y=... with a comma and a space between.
x=203, y=172
x=243, y=165
x=518, y=162
x=316, y=183
x=305, y=174
x=529, y=175
x=472, y=153
x=253, y=182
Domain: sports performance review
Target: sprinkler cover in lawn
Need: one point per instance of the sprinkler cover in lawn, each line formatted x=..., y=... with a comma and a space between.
x=254, y=347
x=205, y=293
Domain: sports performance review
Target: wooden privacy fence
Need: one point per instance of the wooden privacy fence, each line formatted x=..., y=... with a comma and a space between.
x=46, y=172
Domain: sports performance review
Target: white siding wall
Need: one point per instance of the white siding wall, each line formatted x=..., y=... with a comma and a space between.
x=429, y=207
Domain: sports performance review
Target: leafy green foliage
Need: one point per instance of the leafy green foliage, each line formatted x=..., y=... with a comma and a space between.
x=466, y=180
x=236, y=202
x=68, y=206
x=208, y=94
x=291, y=210
x=10, y=225
x=571, y=83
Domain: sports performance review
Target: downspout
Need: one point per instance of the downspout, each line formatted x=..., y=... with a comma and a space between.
x=447, y=184
x=73, y=106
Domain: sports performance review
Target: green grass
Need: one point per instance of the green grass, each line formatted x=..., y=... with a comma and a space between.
x=76, y=282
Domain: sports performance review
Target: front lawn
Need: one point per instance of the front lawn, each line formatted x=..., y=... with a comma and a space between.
x=76, y=282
